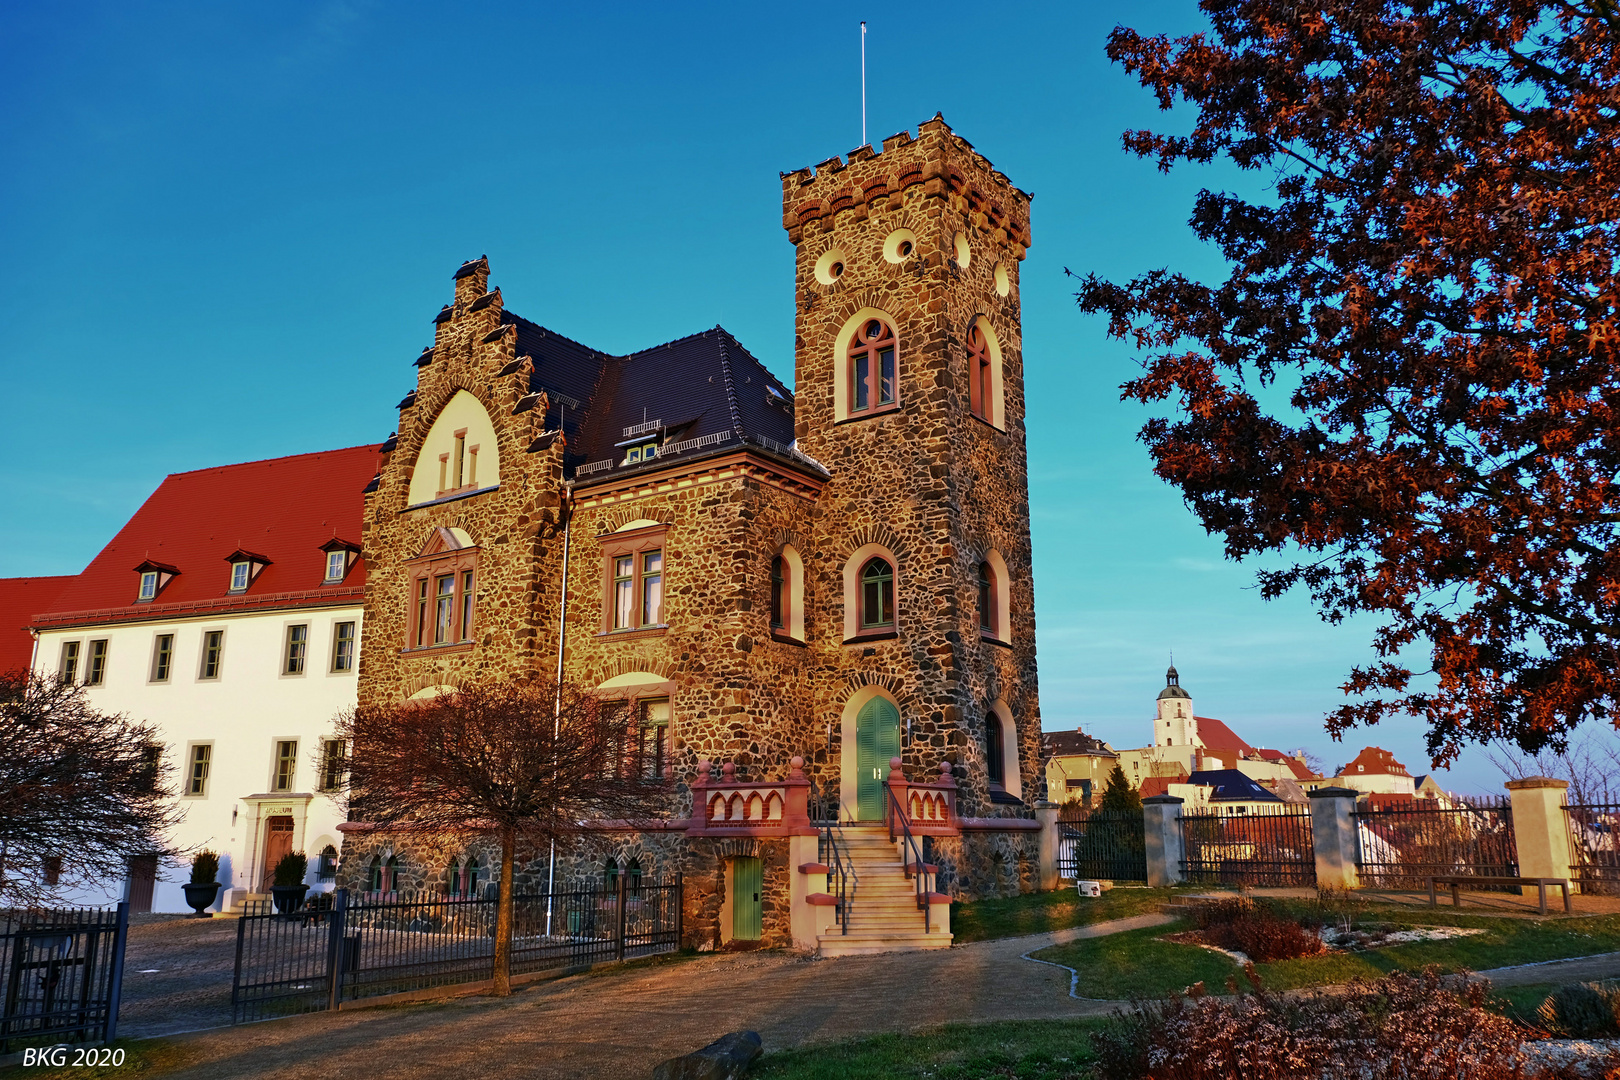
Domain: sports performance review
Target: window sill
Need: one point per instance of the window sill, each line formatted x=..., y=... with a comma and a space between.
x=438, y=650
x=877, y=635
x=991, y=424
x=631, y=635
x=450, y=496
x=991, y=639
x=1002, y=797
x=868, y=414
x=787, y=639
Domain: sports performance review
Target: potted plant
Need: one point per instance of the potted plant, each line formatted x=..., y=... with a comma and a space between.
x=202, y=889
x=288, y=889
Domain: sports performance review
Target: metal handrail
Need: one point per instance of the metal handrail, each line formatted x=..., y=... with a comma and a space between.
x=912, y=856
x=842, y=881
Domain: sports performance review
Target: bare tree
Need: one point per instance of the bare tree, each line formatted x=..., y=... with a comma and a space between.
x=81, y=791
x=526, y=759
x=1590, y=763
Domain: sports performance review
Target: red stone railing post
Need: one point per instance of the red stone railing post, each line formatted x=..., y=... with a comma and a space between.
x=700, y=798
x=796, y=807
x=947, y=780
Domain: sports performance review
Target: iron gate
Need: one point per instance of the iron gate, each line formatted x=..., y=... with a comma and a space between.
x=63, y=974
x=1401, y=847
x=1102, y=845
x=1593, y=832
x=1259, y=847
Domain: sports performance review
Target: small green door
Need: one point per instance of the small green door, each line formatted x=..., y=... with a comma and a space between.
x=877, y=739
x=747, y=913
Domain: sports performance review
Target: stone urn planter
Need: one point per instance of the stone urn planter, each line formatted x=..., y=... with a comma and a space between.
x=288, y=898
x=200, y=896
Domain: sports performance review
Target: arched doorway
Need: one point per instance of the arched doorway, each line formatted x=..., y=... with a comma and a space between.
x=877, y=739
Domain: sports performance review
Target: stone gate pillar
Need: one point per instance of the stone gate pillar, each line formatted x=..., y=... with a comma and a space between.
x=1540, y=831
x=1333, y=835
x=1161, y=820
x=1047, y=814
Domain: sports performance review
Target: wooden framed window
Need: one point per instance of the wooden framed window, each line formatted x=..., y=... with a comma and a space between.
x=652, y=738
x=326, y=864
x=633, y=580
x=333, y=765
x=162, y=657
x=778, y=585
x=241, y=574
x=981, y=384
x=199, y=761
x=987, y=609
x=343, y=642
x=877, y=595
x=995, y=761
x=95, y=670
x=213, y=654
x=374, y=875
x=149, y=585
x=337, y=564
x=67, y=668
x=151, y=766
x=296, y=650
x=286, y=765
x=443, y=595
x=873, y=375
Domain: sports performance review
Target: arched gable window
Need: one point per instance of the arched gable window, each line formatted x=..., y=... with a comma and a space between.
x=995, y=619
x=443, y=600
x=787, y=595
x=390, y=882
x=610, y=873
x=995, y=760
x=374, y=874
x=452, y=878
x=873, y=376
x=981, y=388
x=877, y=595
x=778, y=585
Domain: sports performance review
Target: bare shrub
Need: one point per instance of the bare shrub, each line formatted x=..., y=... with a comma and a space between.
x=1255, y=929
x=1588, y=1010
x=1399, y=1027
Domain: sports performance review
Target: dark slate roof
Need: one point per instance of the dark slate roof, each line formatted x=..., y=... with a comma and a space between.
x=703, y=384
x=1231, y=786
x=1055, y=743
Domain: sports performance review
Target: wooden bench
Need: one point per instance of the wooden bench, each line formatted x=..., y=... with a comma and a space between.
x=1541, y=884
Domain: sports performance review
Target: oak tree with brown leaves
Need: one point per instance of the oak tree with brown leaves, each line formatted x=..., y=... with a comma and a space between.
x=81, y=791
x=1407, y=382
x=522, y=760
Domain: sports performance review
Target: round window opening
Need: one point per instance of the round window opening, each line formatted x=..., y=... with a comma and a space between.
x=830, y=267
x=874, y=330
x=899, y=246
x=964, y=254
x=1003, y=283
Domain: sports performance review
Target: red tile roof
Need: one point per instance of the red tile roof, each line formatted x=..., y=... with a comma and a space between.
x=1217, y=736
x=283, y=508
x=21, y=598
x=1375, y=760
x=1160, y=785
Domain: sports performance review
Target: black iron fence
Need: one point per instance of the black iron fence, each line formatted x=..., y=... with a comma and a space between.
x=1103, y=845
x=365, y=945
x=1401, y=847
x=1593, y=832
x=62, y=974
x=1260, y=847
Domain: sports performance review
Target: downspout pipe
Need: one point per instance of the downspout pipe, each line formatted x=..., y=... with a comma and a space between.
x=562, y=643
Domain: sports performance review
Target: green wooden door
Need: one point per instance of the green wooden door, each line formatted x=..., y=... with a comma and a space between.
x=747, y=913
x=877, y=739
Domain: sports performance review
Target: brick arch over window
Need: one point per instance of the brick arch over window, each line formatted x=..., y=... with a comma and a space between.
x=843, y=392
x=855, y=569
x=614, y=520
x=608, y=670
x=986, y=398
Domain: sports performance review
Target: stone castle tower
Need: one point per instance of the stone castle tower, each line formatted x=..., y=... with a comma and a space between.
x=1175, y=725
x=932, y=473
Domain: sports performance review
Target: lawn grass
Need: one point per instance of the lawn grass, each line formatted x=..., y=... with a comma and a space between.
x=1521, y=1002
x=1036, y=913
x=1025, y=1049
x=1135, y=964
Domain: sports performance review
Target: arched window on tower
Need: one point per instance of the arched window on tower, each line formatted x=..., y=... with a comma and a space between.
x=995, y=761
x=872, y=373
x=877, y=594
x=987, y=599
x=778, y=586
x=981, y=385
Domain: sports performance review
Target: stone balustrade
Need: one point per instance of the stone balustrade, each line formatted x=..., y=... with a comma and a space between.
x=732, y=807
x=930, y=808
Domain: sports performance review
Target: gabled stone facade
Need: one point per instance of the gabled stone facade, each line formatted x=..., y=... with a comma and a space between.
x=744, y=473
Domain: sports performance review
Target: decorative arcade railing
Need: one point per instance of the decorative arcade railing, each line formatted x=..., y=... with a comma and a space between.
x=732, y=807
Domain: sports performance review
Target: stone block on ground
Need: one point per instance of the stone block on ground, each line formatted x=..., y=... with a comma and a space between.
x=727, y=1058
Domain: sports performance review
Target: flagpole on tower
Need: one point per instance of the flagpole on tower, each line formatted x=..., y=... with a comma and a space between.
x=863, y=82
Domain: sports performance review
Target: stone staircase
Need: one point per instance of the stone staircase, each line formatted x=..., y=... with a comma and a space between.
x=883, y=915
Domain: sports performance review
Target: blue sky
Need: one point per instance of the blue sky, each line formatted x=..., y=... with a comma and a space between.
x=226, y=229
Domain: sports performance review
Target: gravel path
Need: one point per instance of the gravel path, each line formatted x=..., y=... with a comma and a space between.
x=177, y=974
x=623, y=1023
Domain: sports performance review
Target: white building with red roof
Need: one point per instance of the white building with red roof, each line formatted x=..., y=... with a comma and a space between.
x=1375, y=771
x=228, y=612
x=1185, y=744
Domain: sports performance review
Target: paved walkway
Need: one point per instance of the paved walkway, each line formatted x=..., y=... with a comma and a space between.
x=624, y=1023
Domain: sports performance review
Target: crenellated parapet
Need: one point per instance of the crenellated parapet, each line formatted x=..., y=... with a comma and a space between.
x=936, y=164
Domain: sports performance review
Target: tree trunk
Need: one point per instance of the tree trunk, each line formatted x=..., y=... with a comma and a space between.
x=503, y=916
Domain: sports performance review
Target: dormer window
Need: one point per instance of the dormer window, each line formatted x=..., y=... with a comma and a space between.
x=643, y=452
x=245, y=569
x=154, y=576
x=340, y=557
